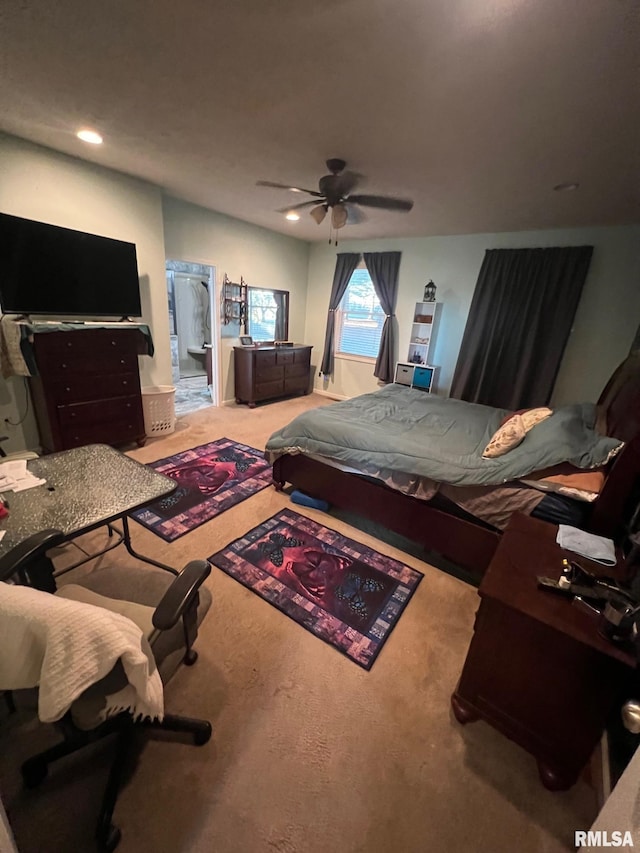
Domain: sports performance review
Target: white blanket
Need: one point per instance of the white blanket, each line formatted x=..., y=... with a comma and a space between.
x=63, y=647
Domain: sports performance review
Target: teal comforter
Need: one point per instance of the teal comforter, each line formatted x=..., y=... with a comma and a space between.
x=401, y=429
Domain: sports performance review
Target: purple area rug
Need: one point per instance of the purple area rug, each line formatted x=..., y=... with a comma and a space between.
x=342, y=591
x=211, y=478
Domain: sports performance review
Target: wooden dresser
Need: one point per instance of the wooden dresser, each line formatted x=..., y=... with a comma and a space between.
x=266, y=373
x=88, y=388
x=538, y=669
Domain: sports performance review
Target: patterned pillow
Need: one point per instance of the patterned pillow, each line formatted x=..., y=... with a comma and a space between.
x=508, y=436
x=531, y=417
x=534, y=416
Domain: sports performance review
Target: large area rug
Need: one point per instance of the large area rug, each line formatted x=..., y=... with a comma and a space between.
x=345, y=593
x=211, y=478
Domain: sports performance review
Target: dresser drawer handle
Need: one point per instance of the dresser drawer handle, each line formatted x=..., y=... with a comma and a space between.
x=63, y=365
x=122, y=361
x=69, y=344
x=113, y=343
x=67, y=389
x=124, y=381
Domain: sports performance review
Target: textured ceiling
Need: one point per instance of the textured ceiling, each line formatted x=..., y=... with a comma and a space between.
x=473, y=108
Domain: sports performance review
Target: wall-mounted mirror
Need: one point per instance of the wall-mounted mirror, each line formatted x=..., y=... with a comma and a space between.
x=267, y=314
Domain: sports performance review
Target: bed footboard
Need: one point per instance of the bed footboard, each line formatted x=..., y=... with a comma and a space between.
x=464, y=543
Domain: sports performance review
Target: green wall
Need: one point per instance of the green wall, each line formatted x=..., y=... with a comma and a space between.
x=605, y=323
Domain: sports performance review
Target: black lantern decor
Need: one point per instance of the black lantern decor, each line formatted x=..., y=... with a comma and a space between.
x=430, y=292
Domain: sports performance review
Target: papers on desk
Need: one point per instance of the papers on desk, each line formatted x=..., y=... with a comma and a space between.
x=594, y=547
x=14, y=476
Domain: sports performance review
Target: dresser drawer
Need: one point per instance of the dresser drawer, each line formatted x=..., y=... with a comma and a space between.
x=295, y=384
x=115, y=432
x=100, y=411
x=296, y=370
x=285, y=357
x=62, y=364
x=266, y=358
x=269, y=373
x=90, y=342
x=264, y=390
x=79, y=389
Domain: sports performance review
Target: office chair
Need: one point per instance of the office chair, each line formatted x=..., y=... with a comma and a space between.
x=18, y=454
x=167, y=608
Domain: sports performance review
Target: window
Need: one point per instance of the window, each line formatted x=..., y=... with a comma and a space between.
x=268, y=314
x=359, y=319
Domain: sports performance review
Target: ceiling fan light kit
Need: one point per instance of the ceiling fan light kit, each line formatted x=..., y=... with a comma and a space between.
x=319, y=213
x=335, y=192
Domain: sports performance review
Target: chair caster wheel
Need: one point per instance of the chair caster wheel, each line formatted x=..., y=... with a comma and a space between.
x=109, y=840
x=203, y=735
x=190, y=658
x=34, y=772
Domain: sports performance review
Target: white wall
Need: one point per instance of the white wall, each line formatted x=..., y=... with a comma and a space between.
x=263, y=259
x=605, y=324
x=40, y=184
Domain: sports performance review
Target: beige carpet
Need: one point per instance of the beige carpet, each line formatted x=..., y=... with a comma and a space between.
x=310, y=753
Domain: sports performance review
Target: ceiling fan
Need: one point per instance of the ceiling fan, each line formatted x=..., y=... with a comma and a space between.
x=335, y=193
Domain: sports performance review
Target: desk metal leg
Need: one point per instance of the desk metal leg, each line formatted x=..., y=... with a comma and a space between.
x=123, y=538
x=126, y=538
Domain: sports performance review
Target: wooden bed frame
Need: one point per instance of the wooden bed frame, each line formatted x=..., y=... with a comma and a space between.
x=465, y=541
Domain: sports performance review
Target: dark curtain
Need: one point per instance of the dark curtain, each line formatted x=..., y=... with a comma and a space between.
x=346, y=262
x=519, y=321
x=383, y=268
x=280, y=298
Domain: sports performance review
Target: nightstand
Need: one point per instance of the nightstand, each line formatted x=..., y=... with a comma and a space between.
x=537, y=669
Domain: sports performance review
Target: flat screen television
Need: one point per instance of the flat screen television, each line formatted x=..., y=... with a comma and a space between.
x=46, y=269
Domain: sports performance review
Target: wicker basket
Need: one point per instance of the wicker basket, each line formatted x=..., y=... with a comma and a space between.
x=158, y=408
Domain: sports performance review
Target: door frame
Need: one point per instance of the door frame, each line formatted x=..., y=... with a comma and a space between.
x=198, y=266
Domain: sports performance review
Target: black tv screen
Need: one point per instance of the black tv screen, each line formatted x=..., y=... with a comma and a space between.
x=46, y=269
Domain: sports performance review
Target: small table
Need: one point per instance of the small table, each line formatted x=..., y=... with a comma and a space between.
x=86, y=488
x=537, y=668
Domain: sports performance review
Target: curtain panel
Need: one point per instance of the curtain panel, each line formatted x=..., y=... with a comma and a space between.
x=520, y=318
x=281, y=298
x=383, y=268
x=346, y=262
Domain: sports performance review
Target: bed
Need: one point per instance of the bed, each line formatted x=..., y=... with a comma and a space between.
x=391, y=489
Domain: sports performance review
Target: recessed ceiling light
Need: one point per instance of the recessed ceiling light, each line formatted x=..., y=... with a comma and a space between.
x=564, y=188
x=89, y=136
x=292, y=217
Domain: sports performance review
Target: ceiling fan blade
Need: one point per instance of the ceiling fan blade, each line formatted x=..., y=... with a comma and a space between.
x=354, y=215
x=297, y=206
x=287, y=187
x=383, y=202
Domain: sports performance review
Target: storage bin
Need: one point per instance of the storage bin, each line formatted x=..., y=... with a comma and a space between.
x=158, y=408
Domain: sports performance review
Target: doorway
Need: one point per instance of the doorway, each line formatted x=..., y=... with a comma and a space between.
x=193, y=334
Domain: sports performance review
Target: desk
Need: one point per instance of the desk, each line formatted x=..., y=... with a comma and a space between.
x=85, y=488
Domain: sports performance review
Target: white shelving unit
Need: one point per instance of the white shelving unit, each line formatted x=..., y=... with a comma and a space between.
x=425, y=320
x=417, y=371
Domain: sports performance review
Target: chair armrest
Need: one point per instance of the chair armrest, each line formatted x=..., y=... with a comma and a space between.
x=30, y=548
x=180, y=594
